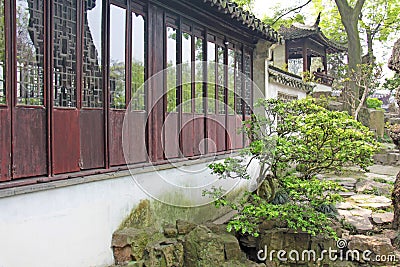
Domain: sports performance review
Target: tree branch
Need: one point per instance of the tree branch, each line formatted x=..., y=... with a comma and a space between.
x=343, y=5
x=357, y=8
x=290, y=11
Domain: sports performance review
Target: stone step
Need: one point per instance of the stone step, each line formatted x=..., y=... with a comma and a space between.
x=371, y=201
x=226, y=218
x=382, y=218
x=346, y=194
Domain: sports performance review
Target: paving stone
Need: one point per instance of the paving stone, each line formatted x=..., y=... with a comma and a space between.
x=373, y=186
x=371, y=201
x=361, y=224
x=343, y=180
x=345, y=206
x=359, y=218
x=372, y=176
x=346, y=194
x=382, y=218
x=386, y=170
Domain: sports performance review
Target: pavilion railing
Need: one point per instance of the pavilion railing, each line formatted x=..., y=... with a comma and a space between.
x=323, y=78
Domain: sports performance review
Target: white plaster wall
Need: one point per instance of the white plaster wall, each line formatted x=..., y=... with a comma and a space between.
x=279, y=56
x=322, y=88
x=274, y=88
x=72, y=226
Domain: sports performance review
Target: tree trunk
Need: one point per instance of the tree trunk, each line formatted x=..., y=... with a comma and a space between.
x=349, y=17
x=371, y=57
x=354, y=54
x=396, y=203
x=394, y=64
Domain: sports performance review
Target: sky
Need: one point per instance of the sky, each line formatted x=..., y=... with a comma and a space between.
x=262, y=7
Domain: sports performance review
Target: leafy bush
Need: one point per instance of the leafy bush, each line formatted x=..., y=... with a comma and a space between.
x=291, y=143
x=374, y=103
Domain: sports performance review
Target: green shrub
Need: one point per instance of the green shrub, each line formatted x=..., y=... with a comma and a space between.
x=374, y=103
x=293, y=142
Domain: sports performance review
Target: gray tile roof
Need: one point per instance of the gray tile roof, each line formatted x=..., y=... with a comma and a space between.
x=300, y=31
x=286, y=78
x=246, y=18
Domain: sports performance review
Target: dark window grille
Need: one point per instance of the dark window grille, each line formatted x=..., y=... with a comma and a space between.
x=221, y=79
x=248, y=84
x=64, y=73
x=239, y=83
x=92, y=88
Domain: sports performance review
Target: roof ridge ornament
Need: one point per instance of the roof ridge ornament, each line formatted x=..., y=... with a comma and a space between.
x=316, y=24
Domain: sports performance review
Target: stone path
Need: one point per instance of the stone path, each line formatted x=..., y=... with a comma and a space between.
x=367, y=208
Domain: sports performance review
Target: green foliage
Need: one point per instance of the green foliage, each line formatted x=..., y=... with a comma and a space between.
x=392, y=83
x=287, y=22
x=374, y=103
x=117, y=77
x=378, y=21
x=291, y=143
x=297, y=216
x=245, y=4
x=324, y=140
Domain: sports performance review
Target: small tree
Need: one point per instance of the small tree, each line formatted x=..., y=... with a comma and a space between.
x=291, y=143
x=366, y=77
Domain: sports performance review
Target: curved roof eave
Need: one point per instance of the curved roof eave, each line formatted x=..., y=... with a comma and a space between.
x=249, y=20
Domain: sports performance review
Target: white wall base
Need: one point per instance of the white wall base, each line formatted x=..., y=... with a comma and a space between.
x=73, y=226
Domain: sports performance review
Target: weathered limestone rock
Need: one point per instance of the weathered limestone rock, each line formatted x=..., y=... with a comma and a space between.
x=377, y=245
x=271, y=224
x=232, y=248
x=203, y=248
x=282, y=239
x=166, y=253
x=244, y=263
x=141, y=217
x=248, y=241
x=184, y=227
x=381, y=159
x=170, y=231
x=129, y=244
